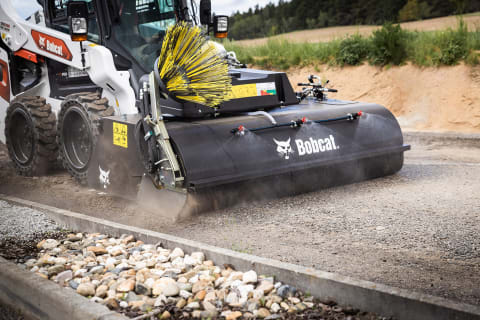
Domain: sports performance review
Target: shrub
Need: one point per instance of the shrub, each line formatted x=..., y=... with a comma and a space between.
x=472, y=58
x=353, y=50
x=388, y=45
x=453, y=45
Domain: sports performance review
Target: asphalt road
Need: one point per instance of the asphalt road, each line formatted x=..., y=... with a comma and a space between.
x=418, y=229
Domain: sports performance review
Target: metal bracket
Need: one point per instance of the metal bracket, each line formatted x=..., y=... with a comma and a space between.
x=175, y=179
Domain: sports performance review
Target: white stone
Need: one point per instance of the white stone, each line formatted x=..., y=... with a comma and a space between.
x=236, y=284
x=123, y=304
x=174, y=270
x=245, y=290
x=219, y=281
x=177, y=252
x=80, y=273
x=50, y=244
x=111, y=260
x=30, y=263
x=275, y=307
x=150, y=263
x=232, y=298
x=157, y=272
x=166, y=286
x=185, y=294
x=149, y=283
x=200, y=256
x=60, y=261
x=123, y=265
x=166, y=265
x=160, y=301
x=161, y=259
x=250, y=277
x=258, y=294
x=57, y=250
x=190, y=261
x=193, y=305
x=178, y=262
x=163, y=251
x=193, y=279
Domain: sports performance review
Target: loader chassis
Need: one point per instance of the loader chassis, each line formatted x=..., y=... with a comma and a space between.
x=95, y=105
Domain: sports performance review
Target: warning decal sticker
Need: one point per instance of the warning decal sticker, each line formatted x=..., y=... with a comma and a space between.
x=266, y=89
x=243, y=91
x=253, y=90
x=120, y=135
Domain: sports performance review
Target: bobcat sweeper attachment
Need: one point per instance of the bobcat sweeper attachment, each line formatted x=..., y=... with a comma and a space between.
x=192, y=131
x=238, y=138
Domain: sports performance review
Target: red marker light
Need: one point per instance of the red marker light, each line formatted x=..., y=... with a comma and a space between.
x=304, y=119
x=241, y=128
x=360, y=113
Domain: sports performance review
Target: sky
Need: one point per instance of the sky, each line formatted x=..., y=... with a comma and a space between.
x=229, y=6
x=26, y=7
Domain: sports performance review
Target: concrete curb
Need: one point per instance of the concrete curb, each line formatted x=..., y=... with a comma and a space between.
x=42, y=299
x=365, y=295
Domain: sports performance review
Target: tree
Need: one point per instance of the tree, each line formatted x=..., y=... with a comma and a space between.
x=411, y=11
x=287, y=16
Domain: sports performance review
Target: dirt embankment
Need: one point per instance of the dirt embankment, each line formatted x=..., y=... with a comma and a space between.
x=332, y=33
x=433, y=99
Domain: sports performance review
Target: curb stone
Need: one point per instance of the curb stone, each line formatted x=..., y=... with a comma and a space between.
x=42, y=299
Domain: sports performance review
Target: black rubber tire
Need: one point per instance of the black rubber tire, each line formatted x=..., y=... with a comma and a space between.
x=78, y=129
x=30, y=135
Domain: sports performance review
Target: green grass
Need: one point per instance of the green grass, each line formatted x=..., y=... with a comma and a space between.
x=388, y=46
x=284, y=54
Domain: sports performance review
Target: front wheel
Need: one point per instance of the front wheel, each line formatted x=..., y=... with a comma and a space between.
x=78, y=130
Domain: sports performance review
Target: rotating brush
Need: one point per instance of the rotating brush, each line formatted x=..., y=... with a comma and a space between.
x=191, y=68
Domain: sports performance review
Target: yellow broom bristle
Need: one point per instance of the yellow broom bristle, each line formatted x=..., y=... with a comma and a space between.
x=191, y=68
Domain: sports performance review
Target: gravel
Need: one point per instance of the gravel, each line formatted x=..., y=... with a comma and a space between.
x=20, y=230
x=172, y=283
x=7, y=313
x=22, y=222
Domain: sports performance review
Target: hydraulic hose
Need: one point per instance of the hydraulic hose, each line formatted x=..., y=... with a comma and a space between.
x=298, y=123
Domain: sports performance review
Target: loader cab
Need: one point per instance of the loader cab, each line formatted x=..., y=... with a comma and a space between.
x=138, y=28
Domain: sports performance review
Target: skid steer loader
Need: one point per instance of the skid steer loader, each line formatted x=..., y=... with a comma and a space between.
x=79, y=82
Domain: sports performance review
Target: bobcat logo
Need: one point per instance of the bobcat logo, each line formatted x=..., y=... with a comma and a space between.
x=283, y=148
x=104, y=177
x=41, y=41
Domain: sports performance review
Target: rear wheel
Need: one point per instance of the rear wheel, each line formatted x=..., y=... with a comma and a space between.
x=78, y=130
x=30, y=135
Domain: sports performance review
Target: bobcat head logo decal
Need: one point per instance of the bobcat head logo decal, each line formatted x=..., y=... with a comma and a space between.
x=284, y=149
x=104, y=177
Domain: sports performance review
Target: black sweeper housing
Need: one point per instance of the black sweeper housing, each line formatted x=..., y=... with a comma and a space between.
x=262, y=143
